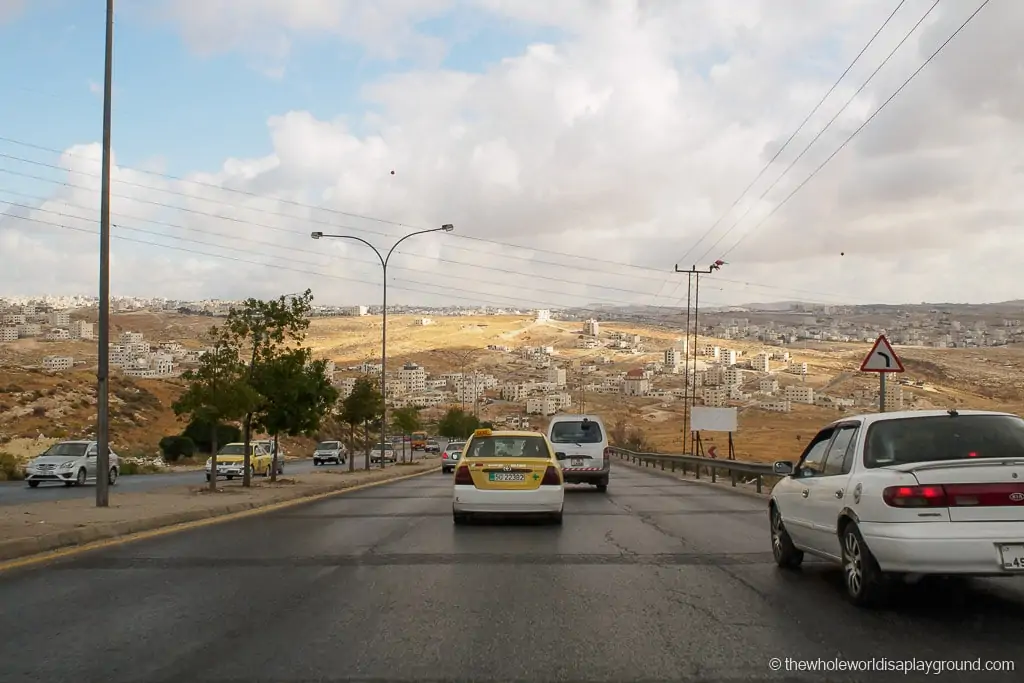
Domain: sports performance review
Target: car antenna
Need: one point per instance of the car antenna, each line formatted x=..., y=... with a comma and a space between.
x=952, y=412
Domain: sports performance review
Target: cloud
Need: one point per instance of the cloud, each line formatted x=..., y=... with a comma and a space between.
x=621, y=143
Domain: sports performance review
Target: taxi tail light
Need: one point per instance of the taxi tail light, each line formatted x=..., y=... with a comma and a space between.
x=915, y=497
x=463, y=477
x=551, y=477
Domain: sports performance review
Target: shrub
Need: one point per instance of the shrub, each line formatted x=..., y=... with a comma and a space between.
x=175, y=448
x=10, y=468
x=137, y=468
x=39, y=411
x=199, y=432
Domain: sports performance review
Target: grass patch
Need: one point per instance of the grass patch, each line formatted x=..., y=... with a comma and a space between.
x=138, y=468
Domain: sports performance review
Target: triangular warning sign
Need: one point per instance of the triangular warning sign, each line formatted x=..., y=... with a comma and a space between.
x=882, y=358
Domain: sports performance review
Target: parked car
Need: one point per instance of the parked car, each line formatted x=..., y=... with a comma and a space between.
x=330, y=451
x=231, y=461
x=382, y=450
x=906, y=494
x=72, y=463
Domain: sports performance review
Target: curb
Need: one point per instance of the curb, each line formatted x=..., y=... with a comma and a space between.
x=25, y=551
x=702, y=482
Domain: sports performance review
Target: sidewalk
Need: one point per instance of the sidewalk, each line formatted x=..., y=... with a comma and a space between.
x=40, y=527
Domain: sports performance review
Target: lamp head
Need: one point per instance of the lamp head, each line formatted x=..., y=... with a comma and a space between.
x=447, y=227
x=316, y=235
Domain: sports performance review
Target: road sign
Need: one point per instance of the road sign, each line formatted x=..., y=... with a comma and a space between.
x=882, y=358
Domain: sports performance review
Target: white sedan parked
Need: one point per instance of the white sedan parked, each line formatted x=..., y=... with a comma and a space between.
x=905, y=495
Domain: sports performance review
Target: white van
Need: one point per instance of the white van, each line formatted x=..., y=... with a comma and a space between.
x=581, y=445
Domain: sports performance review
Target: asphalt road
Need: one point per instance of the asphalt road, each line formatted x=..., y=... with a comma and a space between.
x=18, y=492
x=654, y=581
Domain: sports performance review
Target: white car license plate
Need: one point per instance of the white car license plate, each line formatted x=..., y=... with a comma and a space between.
x=1013, y=557
x=576, y=462
x=507, y=476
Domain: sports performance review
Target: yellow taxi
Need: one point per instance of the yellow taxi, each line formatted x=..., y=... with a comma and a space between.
x=508, y=473
x=231, y=461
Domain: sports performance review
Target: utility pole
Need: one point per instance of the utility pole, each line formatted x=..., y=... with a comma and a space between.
x=690, y=394
x=103, y=365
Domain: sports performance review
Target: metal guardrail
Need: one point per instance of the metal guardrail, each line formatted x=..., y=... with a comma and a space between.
x=757, y=471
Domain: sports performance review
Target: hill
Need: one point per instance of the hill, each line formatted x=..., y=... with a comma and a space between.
x=36, y=403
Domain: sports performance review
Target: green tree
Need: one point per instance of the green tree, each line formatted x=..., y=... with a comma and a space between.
x=405, y=421
x=261, y=331
x=217, y=392
x=487, y=425
x=295, y=394
x=363, y=406
x=457, y=424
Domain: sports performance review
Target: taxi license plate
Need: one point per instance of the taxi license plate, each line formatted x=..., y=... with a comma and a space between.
x=507, y=476
x=1013, y=557
x=576, y=462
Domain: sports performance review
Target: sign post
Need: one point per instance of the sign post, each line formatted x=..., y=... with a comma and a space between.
x=882, y=359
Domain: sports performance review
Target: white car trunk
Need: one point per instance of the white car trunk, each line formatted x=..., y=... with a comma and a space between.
x=982, y=490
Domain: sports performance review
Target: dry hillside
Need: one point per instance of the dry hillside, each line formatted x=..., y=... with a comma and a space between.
x=34, y=403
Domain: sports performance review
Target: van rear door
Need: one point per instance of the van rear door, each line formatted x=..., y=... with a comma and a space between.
x=583, y=443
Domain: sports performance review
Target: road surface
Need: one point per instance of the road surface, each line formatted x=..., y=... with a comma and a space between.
x=18, y=492
x=656, y=580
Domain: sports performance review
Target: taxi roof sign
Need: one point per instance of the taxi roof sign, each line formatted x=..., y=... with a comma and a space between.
x=482, y=432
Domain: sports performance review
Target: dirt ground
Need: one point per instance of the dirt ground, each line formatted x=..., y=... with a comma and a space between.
x=35, y=520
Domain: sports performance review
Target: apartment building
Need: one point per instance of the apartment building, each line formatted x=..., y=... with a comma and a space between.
x=673, y=359
x=769, y=385
x=798, y=393
x=714, y=396
x=57, y=334
x=776, y=406
x=514, y=391
x=893, y=396
x=81, y=329
x=549, y=404
x=761, y=362
x=729, y=357
x=592, y=328
x=8, y=334
x=413, y=377
x=556, y=376
x=59, y=318
x=58, y=363
x=30, y=330
x=732, y=376
x=636, y=383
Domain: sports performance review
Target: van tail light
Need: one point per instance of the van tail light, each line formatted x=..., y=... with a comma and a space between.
x=915, y=497
x=608, y=453
x=463, y=477
x=551, y=477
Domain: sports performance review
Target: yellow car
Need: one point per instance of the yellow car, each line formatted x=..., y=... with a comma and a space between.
x=231, y=461
x=508, y=473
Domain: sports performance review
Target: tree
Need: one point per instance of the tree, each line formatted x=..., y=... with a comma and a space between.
x=295, y=396
x=217, y=392
x=457, y=424
x=364, y=406
x=487, y=424
x=262, y=331
x=406, y=421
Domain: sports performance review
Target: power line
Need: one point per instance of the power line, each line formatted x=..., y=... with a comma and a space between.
x=291, y=231
x=859, y=128
x=828, y=125
x=792, y=136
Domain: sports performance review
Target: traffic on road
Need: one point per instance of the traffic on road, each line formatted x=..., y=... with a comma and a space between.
x=654, y=580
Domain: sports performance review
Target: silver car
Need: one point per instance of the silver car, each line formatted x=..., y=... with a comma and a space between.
x=72, y=463
x=450, y=455
x=329, y=451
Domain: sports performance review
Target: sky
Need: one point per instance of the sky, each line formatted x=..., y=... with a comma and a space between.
x=580, y=148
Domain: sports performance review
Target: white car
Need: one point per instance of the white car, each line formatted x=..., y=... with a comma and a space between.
x=905, y=495
x=450, y=455
x=508, y=473
x=385, y=451
x=582, y=444
x=72, y=463
x=329, y=451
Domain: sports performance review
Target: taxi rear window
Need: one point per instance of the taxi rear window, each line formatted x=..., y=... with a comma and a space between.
x=508, y=447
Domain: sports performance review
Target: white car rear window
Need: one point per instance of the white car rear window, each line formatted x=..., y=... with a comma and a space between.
x=944, y=437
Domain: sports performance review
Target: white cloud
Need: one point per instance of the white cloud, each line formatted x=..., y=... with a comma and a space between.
x=624, y=143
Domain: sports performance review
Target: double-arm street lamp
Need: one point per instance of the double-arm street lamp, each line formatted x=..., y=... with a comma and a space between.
x=447, y=227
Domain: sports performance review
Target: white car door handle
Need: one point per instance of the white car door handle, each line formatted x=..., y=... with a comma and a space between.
x=804, y=493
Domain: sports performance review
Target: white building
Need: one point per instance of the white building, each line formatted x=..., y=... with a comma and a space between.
x=413, y=377
x=556, y=376
x=8, y=334
x=59, y=318
x=733, y=376
x=58, y=363
x=81, y=329
x=549, y=404
x=423, y=322
x=57, y=334
x=798, y=393
x=729, y=357
x=714, y=396
x=761, y=362
x=893, y=396
x=354, y=310
x=769, y=385
x=543, y=315
x=592, y=328
x=673, y=359
x=30, y=330
x=636, y=384
x=513, y=391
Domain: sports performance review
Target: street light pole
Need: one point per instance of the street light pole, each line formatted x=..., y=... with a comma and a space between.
x=103, y=345
x=384, y=260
